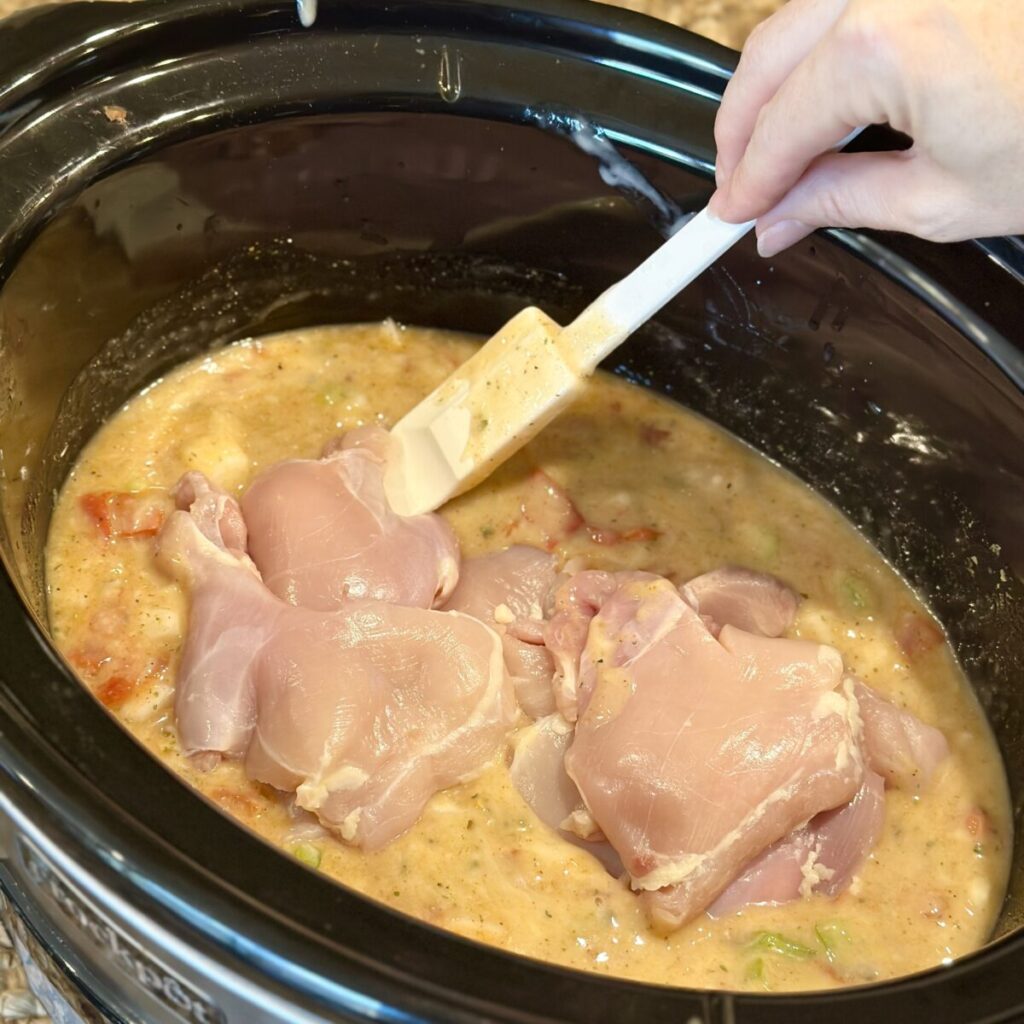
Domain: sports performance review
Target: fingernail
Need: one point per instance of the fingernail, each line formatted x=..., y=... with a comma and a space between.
x=717, y=201
x=781, y=236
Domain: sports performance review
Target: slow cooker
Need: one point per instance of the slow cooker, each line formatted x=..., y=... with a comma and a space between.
x=179, y=174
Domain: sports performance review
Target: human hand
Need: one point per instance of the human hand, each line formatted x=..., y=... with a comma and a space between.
x=948, y=73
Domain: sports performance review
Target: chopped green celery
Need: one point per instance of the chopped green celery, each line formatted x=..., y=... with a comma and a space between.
x=333, y=396
x=833, y=937
x=773, y=942
x=755, y=972
x=855, y=593
x=309, y=854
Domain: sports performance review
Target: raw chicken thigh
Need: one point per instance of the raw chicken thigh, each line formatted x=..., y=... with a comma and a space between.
x=365, y=711
x=538, y=772
x=695, y=754
x=508, y=590
x=321, y=532
x=900, y=747
x=821, y=856
x=747, y=600
x=723, y=771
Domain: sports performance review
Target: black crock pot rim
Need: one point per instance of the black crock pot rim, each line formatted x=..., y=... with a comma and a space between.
x=79, y=37
x=70, y=51
x=118, y=851
x=106, y=821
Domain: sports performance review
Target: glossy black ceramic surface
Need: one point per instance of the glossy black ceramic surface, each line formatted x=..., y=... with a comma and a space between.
x=180, y=175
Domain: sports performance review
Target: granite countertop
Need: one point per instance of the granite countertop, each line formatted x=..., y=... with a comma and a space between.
x=725, y=21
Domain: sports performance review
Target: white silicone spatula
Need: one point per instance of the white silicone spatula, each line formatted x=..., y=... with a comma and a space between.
x=525, y=375
x=531, y=370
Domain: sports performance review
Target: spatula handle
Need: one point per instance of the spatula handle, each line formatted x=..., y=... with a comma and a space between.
x=630, y=303
x=607, y=322
x=669, y=269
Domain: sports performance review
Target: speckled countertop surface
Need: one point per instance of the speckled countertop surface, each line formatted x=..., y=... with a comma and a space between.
x=725, y=21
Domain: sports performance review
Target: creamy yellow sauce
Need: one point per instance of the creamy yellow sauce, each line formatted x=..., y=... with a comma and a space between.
x=479, y=862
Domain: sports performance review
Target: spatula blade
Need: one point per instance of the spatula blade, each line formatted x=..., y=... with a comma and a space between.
x=489, y=407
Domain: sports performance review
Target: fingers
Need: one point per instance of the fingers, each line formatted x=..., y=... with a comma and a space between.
x=773, y=51
x=780, y=236
x=817, y=106
x=886, y=191
x=821, y=68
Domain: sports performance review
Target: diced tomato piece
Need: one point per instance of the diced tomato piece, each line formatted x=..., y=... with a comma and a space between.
x=113, y=692
x=916, y=634
x=641, y=533
x=236, y=802
x=654, y=436
x=89, y=659
x=977, y=823
x=126, y=513
x=603, y=535
x=548, y=507
x=600, y=535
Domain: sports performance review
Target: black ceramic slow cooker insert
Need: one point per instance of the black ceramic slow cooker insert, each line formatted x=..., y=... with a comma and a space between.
x=178, y=174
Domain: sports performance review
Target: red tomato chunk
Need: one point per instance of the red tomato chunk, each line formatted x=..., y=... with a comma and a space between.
x=119, y=514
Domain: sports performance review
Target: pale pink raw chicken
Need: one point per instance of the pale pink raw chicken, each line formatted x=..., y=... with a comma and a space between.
x=538, y=772
x=899, y=746
x=576, y=602
x=819, y=857
x=508, y=590
x=748, y=600
x=901, y=751
x=321, y=532
x=752, y=601
x=694, y=754
x=365, y=711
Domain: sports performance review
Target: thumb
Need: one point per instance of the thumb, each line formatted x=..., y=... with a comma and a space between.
x=899, y=191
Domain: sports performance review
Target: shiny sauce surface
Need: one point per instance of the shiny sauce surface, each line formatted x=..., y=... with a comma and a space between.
x=660, y=489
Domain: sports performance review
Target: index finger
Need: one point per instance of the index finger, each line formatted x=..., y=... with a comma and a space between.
x=775, y=48
x=814, y=110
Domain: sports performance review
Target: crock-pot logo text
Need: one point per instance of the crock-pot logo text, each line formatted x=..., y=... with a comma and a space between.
x=166, y=987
